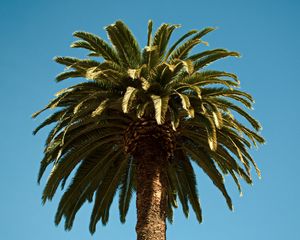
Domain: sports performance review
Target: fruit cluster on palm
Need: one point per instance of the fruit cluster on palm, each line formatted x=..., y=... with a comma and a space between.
x=138, y=121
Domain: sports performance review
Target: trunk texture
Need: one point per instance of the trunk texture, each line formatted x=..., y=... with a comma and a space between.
x=151, y=190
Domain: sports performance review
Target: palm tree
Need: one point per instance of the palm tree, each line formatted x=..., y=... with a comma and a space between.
x=139, y=121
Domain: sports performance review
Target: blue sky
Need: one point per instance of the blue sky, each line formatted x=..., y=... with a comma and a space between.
x=267, y=35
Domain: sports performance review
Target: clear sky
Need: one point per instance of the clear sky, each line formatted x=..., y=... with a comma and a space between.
x=268, y=37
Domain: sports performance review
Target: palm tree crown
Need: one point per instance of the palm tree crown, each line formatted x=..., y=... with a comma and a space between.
x=133, y=94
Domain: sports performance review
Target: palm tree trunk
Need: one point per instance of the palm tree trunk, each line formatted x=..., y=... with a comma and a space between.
x=151, y=191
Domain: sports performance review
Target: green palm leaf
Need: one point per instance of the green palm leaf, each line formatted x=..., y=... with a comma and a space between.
x=126, y=189
x=99, y=46
x=129, y=98
x=187, y=177
x=208, y=166
x=185, y=36
x=186, y=104
x=173, y=173
x=105, y=194
x=161, y=107
x=88, y=171
x=201, y=63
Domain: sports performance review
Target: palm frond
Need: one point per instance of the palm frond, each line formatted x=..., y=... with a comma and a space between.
x=69, y=161
x=130, y=43
x=69, y=74
x=161, y=107
x=173, y=175
x=208, y=166
x=160, y=38
x=202, y=62
x=186, y=105
x=149, y=37
x=203, y=32
x=187, y=177
x=84, y=45
x=53, y=118
x=126, y=189
x=185, y=36
x=125, y=44
x=183, y=51
x=128, y=98
x=89, y=171
x=106, y=192
x=100, y=47
x=224, y=104
x=101, y=108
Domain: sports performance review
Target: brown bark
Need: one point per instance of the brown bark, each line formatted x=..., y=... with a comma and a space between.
x=151, y=190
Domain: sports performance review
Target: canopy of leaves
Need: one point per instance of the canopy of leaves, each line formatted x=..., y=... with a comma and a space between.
x=125, y=84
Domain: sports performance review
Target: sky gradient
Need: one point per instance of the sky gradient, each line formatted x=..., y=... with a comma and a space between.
x=267, y=35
